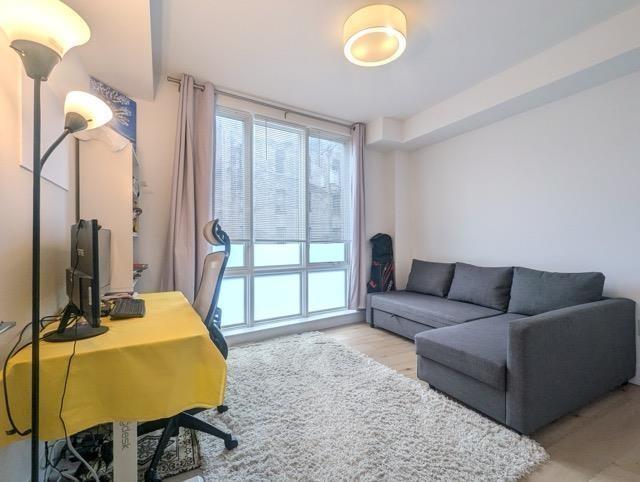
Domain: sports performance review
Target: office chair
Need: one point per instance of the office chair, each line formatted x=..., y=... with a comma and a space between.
x=206, y=304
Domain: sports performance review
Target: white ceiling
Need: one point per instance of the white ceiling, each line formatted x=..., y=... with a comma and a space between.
x=119, y=51
x=290, y=51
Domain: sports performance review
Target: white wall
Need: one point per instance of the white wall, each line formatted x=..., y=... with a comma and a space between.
x=555, y=188
x=15, y=241
x=105, y=195
x=403, y=216
x=379, y=188
x=156, y=136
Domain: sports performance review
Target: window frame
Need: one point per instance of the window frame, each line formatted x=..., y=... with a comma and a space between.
x=249, y=271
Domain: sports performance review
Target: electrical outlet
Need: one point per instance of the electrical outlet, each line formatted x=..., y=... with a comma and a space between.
x=6, y=325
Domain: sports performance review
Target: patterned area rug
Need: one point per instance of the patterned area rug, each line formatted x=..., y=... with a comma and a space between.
x=181, y=455
x=306, y=407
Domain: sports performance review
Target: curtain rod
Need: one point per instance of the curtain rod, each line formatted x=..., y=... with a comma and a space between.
x=286, y=111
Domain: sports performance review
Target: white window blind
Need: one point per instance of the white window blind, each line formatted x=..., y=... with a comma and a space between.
x=232, y=202
x=278, y=181
x=329, y=188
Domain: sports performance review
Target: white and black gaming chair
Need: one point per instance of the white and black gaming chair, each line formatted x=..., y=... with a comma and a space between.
x=206, y=304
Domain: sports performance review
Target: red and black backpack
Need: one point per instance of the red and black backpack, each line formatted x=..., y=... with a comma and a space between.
x=382, y=270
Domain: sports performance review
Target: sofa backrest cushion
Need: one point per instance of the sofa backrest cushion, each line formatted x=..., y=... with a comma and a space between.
x=430, y=278
x=488, y=287
x=534, y=292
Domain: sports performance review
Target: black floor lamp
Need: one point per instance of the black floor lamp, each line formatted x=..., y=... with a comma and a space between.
x=41, y=32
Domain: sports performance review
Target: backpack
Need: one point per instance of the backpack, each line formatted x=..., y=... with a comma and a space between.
x=382, y=270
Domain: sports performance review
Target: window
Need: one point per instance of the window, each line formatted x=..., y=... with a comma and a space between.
x=282, y=195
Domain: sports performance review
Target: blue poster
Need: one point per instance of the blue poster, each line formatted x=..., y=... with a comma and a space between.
x=124, y=109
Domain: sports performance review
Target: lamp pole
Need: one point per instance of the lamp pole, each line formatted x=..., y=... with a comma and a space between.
x=35, y=288
x=41, y=44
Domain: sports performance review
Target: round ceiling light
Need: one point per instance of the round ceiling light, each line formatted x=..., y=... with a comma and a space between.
x=375, y=35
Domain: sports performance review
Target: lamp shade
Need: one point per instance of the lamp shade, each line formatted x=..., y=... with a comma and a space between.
x=83, y=111
x=375, y=35
x=46, y=22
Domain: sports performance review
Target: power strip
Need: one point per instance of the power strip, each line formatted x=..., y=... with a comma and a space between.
x=6, y=325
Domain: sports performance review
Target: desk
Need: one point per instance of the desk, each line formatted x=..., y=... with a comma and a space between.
x=141, y=369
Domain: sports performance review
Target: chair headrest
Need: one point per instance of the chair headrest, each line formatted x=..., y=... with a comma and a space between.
x=209, y=232
x=214, y=234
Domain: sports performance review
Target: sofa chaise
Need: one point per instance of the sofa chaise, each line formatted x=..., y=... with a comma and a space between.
x=519, y=345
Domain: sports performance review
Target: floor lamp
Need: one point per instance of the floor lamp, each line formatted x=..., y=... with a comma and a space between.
x=41, y=32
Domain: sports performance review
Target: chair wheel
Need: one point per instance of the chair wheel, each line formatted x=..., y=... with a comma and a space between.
x=150, y=476
x=230, y=443
x=222, y=408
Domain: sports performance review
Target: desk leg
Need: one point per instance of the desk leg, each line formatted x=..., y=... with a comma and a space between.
x=125, y=451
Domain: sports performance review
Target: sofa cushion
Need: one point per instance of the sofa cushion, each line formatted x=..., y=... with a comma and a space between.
x=427, y=309
x=430, y=278
x=397, y=324
x=477, y=349
x=488, y=287
x=534, y=292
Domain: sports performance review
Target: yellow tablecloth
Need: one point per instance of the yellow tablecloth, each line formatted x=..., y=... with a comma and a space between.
x=141, y=369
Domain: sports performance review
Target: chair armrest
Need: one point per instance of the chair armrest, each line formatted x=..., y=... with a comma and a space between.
x=560, y=360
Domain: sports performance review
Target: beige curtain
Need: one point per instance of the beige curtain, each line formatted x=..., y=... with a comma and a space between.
x=192, y=188
x=358, y=281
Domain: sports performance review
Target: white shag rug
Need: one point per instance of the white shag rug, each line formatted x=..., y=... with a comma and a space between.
x=306, y=407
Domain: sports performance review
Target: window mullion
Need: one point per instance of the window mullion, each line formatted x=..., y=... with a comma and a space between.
x=250, y=285
x=304, y=294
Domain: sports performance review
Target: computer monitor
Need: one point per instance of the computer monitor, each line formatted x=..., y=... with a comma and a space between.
x=87, y=280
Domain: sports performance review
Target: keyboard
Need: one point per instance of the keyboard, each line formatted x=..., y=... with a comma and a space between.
x=127, y=308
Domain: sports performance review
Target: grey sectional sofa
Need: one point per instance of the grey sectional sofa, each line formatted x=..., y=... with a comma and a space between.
x=521, y=346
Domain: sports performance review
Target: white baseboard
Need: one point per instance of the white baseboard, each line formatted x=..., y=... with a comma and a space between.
x=292, y=327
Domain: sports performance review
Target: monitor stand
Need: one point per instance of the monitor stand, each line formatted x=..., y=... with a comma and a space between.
x=77, y=332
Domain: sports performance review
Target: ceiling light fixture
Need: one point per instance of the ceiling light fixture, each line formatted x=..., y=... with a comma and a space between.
x=375, y=35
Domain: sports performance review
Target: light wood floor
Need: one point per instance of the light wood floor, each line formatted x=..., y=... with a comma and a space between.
x=600, y=443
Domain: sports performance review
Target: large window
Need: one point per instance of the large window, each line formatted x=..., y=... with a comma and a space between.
x=282, y=195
